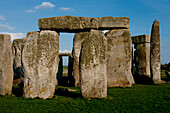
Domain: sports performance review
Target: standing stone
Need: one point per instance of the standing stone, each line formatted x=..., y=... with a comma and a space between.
x=60, y=71
x=119, y=58
x=93, y=65
x=142, y=54
x=6, y=71
x=155, y=53
x=17, y=47
x=142, y=59
x=40, y=63
x=77, y=45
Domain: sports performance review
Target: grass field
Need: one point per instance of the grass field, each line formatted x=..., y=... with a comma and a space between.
x=139, y=98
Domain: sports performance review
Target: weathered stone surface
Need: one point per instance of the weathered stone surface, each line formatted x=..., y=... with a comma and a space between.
x=17, y=47
x=77, y=46
x=119, y=58
x=6, y=68
x=155, y=53
x=140, y=39
x=93, y=65
x=142, y=59
x=40, y=63
x=74, y=24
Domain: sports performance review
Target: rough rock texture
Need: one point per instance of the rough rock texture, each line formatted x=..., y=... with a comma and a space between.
x=93, y=65
x=40, y=63
x=6, y=68
x=77, y=46
x=155, y=53
x=140, y=39
x=17, y=47
x=142, y=59
x=119, y=58
x=74, y=24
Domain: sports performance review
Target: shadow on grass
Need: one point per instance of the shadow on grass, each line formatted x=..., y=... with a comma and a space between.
x=67, y=93
x=142, y=79
x=17, y=91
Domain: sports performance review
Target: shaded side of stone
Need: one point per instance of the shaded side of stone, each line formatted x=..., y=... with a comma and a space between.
x=77, y=46
x=93, y=65
x=142, y=59
x=77, y=24
x=119, y=57
x=40, y=63
x=155, y=53
x=17, y=47
x=60, y=70
x=140, y=39
x=6, y=71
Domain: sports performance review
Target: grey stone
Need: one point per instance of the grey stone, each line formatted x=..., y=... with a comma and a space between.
x=141, y=39
x=119, y=58
x=6, y=68
x=93, y=70
x=17, y=47
x=155, y=53
x=142, y=59
x=77, y=46
x=76, y=24
x=40, y=63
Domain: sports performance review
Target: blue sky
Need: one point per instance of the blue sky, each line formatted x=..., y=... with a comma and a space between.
x=17, y=17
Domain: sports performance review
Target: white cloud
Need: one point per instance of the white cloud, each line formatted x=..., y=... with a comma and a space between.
x=65, y=51
x=45, y=5
x=5, y=27
x=66, y=9
x=30, y=11
x=15, y=35
x=2, y=18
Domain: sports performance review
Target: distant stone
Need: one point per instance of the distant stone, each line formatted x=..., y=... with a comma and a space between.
x=155, y=53
x=40, y=63
x=140, y=39
x=167, y=73
x=77, y=46
x=17, y=47
x=76, y=24
x=93, y=65
x=142, y=59
x=6, y=67
x=119, y=58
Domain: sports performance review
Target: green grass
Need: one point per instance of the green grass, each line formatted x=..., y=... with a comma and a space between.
x=65, y=67
x=139, y=98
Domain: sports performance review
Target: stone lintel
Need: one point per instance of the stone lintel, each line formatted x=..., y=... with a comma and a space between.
x=80, y=24
x=140, y=39
x=65, y=54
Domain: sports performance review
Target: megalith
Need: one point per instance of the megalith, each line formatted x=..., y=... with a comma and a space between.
x=40, y=63
x=17, y=47
x=76, y=24
x=6, y=68
x=77, y=46
x=142, y=54
x=119, y=57
x=155, y=53
x=93, y=71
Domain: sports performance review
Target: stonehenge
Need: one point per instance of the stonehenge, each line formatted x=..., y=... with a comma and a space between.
x=6, y=68
x=97, y=60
